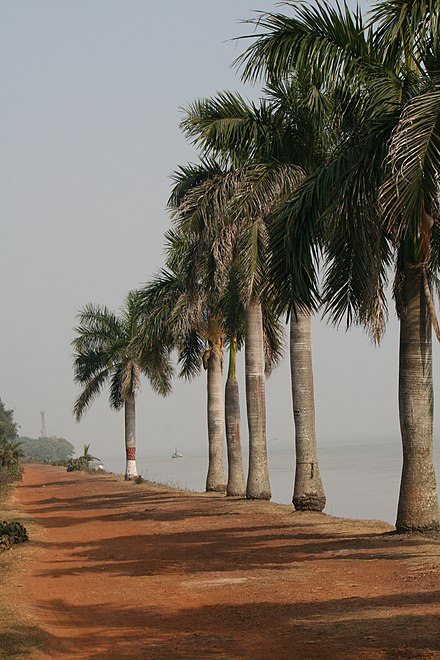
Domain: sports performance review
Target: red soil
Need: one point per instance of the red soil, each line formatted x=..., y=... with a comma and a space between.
x=135, y=571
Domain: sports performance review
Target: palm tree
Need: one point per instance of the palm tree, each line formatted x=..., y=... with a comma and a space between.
x=190, y=254
x=409, y=196
x=378, y=190
x=177, y=308
x=106, y=350
x=284, y=129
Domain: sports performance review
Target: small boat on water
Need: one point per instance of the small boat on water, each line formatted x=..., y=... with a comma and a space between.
x=176, y=453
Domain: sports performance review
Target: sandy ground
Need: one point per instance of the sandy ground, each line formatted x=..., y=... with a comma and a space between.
x=121, y=570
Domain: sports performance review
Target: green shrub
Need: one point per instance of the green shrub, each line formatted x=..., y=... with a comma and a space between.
x=74, y=464
x=10, y=462
x=10, y=533
x=82, y=462
x=15, y=530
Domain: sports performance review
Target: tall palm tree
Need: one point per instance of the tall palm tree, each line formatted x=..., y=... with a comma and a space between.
x=378, y=191
x=106, y=350
x=178, y=309
x=286, y=128
x=191, y=255
x=410, y=198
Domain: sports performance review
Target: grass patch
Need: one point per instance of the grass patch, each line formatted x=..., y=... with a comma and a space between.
x=20, y=635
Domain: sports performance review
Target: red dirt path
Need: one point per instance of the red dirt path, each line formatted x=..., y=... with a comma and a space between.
x=135, y=571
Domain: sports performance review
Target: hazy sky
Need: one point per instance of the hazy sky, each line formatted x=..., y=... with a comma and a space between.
x=89, y=135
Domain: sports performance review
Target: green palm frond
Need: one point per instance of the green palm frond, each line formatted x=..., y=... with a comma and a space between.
x=130, y=379
x=156, y=301
x=281, y=128
x=328, y=40
x=204, y=207
x=92, y=389
x=116, y=398
x=189, y=176
x=88, y=364
x=206, y=119
x=356, y=277
x=158, y=369
x=190, y=355
x=216, y=123
x=434, y=258
x=406, y=27
x=96, y=323
x=414, y=165
x=251, y=258
x=265, y=187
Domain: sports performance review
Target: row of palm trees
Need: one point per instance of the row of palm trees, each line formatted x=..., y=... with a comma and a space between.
x=299, y=203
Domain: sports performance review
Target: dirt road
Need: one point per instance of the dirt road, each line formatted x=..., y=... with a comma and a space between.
x=134, y=571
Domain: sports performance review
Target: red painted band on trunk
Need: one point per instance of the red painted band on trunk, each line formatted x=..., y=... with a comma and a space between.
x=131, y=453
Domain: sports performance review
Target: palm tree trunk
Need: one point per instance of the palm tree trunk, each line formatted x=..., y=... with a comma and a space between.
x=236, y=485
x=215, y=480
x=258, y=485
x=308, y=491
x=130, y=438
x=418, y=509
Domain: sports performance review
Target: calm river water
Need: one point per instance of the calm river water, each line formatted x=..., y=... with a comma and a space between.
x=361, y=479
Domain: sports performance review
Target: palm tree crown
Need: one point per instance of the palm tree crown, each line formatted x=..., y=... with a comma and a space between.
x=107, y=349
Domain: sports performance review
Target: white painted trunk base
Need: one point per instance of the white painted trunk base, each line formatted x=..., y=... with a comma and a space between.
x=130, y=470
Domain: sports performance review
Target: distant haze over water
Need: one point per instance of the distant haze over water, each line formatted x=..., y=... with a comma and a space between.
x=361, y=478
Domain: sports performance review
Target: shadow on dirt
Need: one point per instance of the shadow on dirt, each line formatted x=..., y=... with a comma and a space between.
x=297, y=630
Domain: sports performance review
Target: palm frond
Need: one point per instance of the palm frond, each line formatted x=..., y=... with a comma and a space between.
x=434, y=257
x=356, y=277
x=189, y=176
x=92, y=389
x=321, y=38
x=116, y=397
x=190, y=355
x=156, y=303
x=97, y=326
x=88, y=364
x=159, y=370
x=130, y=379
x=414, y=165
x=405, y=27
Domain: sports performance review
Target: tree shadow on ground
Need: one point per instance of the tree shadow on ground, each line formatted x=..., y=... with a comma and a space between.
x=218, y=550
x=333, y=629
x=20, y=639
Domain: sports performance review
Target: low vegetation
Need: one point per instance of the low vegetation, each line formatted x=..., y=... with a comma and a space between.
x=81, y=463
x=10, y=533
x=11, y=452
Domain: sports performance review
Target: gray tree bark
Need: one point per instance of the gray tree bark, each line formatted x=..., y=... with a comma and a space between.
x=258, y=485
x=130, y=437
x=236, y=484
x=418, y=508
x=216, y=479
x=308, y=491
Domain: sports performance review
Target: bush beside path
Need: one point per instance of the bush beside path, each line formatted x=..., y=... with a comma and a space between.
x=137, y=571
